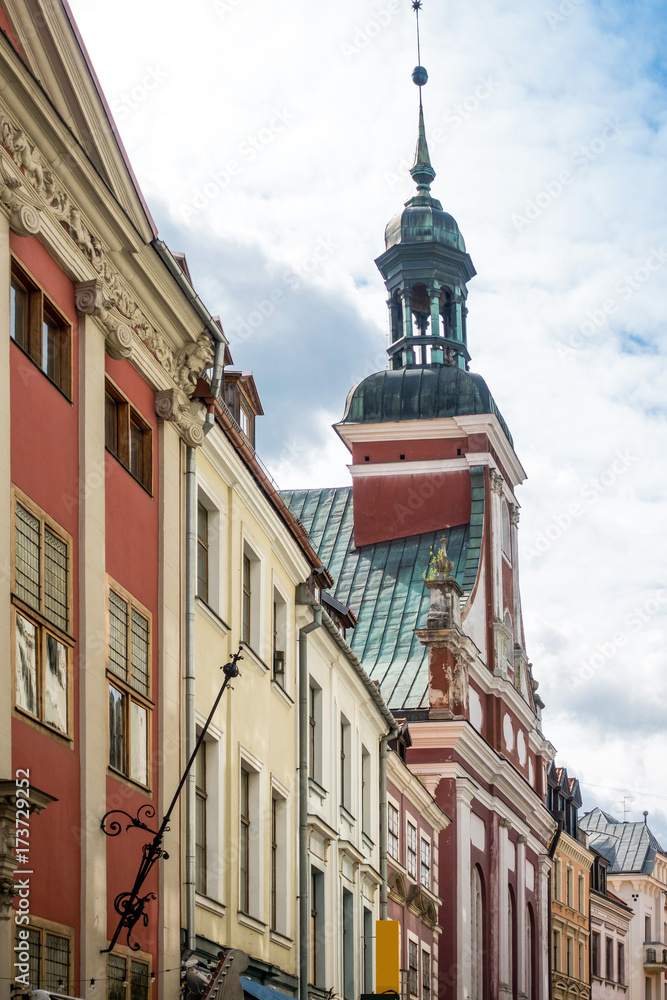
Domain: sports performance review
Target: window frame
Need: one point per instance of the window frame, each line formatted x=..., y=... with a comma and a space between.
x=425, y=866
x=203, y=552
x=427, y=973
x=413, y=970
x=39, y=619
x=126, y=415
x=129, y=693
x=411, y=852
x=315, y=735
x=46, y=927
x=279, y=620
x=41, y=310
x=140, y=957
x=201, y=825
x=395, y=834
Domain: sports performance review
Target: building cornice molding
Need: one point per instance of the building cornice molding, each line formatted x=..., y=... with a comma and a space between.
x=572, y=849
x=36, y=200
x=411, y=784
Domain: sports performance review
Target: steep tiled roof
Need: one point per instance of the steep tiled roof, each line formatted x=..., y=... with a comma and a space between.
x=631, y=847
x=383, y=584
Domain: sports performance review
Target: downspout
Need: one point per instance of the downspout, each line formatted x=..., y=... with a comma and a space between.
x=190, y=718
x=304, y=881
x=383, y=826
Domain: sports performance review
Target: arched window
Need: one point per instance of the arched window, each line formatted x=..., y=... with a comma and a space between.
x=511, y=941
x=477, y=936
x=530, y=978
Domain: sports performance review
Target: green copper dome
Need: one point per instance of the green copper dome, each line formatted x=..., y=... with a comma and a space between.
x=424, y=224
x=420, y=394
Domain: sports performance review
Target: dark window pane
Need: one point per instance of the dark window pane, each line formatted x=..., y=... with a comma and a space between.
x=202, y=552
x=138, y=981
x=19, y=315
x=34, y=950
x=137, y=463
x=117, y=635
x=139, y=652
x=27, y=557
x=57, y=964
x=116, y=729
x=116, y=978
x=55, y=579
x=111, y=424
x=53, y=344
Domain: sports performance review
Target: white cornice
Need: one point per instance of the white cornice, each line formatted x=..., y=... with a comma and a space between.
x=409, y=468
x=495, y=770
x=572, y=849
x=439, y=428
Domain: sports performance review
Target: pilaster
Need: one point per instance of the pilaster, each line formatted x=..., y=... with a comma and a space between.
x=521, y=956
x=91, y=649
x=543, y=942
x=465, y=792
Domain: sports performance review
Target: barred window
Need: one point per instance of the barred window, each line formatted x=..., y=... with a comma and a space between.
x=42, y=615
x=128, y=664
x=127, y=978
x=49, y=956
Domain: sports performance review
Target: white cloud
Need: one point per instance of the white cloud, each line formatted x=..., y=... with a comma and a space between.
x=572, y=133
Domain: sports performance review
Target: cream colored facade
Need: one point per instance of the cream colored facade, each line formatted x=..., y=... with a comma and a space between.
x=646, y=894
x=254, y=731
x=610, y=921
x=570, y=931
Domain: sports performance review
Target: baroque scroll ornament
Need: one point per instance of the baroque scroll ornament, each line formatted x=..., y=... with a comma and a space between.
x=185, y=365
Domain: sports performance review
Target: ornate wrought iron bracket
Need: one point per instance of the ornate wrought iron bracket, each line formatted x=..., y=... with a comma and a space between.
x=131, y=906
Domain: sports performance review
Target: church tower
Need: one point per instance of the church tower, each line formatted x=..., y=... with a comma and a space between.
x=424, y=551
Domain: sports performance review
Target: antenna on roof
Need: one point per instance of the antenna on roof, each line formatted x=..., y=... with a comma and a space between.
x=626, y=809
x=645, y=817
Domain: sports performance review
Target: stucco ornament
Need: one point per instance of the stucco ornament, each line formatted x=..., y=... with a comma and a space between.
x=174, y=405
x=445, y=609
x=28, y=186
x=91, y=300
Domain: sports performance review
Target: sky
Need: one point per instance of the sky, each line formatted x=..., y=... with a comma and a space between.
x=272, y=142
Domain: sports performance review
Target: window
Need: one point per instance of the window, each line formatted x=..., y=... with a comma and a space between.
x=620, y=963
x=648, y=988
x=411, y=860
x=348, y=945
x=647, y=927
x=244, y=844
x=368, y=950
x=425, y=870
x=247, y=600
x=42, y=594
x=366, y=787
x=128, y=671
x=595, y=953
x=556, y=947
x=609, y=959
x=568, y=956
x=279, y=644
x=50, y=953
x=250, y=595
x=477, y=935
x=582, y=969
x=200, y=820
x=426, y=975
x=127, y=978
x=392, y=831
x=202, y=552
x=581, y=893
x=315, y=732
x=413, y=969
x=569, y=882
x=279, y=890
x=317, y=929
x=39, y=329
x=557, y=878
x=345, y=764
x=128, y=437
x=506, y=535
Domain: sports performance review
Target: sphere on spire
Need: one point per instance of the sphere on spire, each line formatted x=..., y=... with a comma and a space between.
x=419, y=76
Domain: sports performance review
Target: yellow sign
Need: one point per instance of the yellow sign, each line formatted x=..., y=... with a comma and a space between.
x=387, y=963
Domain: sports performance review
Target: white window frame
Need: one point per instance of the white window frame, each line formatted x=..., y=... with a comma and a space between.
x=250, y=764
x=392, y=802
x=216, y=519
x=366, y=791
x=412, y=821
x=280, y=796
x=282, y=635
x=256, y=632
x=424, y=838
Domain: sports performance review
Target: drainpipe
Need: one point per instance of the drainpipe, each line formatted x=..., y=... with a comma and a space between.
x=383, y=826
x=304, y=597
x=190, y=724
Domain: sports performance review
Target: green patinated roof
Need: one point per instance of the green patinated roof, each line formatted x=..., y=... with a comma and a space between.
x=420, y=394
x=383, y=584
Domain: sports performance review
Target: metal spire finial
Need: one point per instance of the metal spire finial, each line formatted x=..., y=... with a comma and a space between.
x=422, y=171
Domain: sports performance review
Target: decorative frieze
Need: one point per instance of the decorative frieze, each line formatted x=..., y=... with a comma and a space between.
x=496, y=482
x=24, y=165
x=514, y=514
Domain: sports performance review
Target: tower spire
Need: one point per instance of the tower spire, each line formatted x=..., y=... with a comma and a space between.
x=422, y=172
